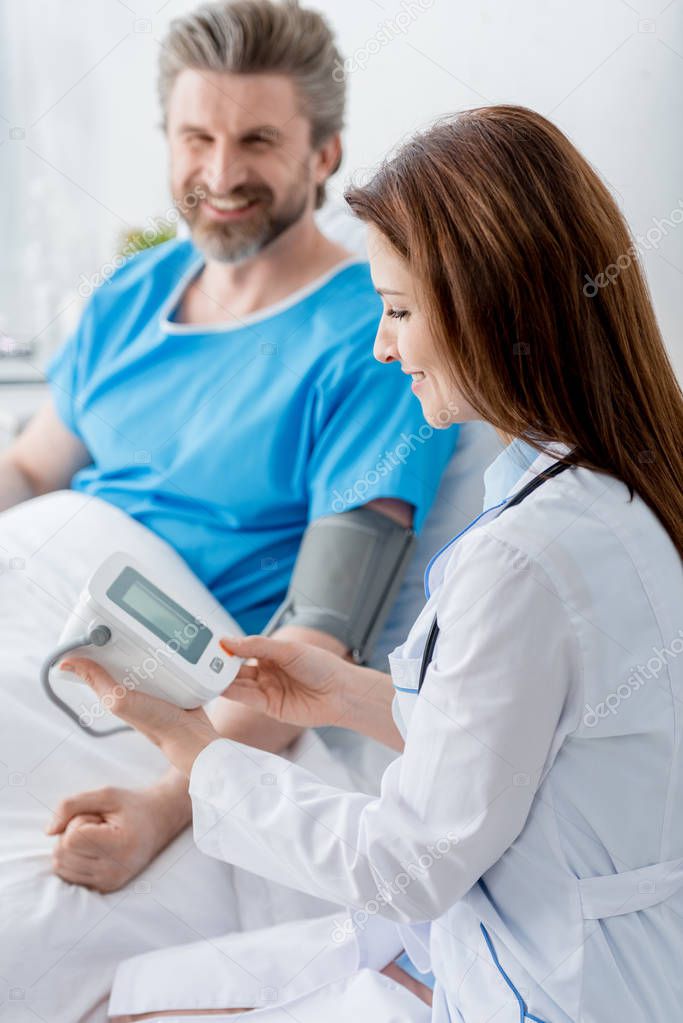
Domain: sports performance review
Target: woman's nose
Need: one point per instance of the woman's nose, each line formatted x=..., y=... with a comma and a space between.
x=384, y=349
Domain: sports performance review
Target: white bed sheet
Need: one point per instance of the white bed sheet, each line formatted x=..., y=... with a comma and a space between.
x=59, y=943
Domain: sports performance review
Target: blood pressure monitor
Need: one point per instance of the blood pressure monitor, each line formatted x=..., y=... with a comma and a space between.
x=146, y=639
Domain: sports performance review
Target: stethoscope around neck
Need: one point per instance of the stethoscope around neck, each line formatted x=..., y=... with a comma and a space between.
x=554, y=470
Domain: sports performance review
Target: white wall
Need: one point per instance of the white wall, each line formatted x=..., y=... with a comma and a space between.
x=82, y=77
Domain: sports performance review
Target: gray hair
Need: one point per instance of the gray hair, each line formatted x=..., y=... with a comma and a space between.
x=261, y=36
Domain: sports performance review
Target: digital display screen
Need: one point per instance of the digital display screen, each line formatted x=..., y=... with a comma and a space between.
x=147, y=604
x=173, y=625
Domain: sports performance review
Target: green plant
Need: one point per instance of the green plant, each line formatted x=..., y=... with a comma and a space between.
x=139, y=238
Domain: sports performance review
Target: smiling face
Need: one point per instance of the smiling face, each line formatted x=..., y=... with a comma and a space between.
x=404, y=336
x=242, y=142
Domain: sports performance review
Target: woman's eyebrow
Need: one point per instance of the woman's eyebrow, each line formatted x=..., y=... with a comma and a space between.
x=386, y=291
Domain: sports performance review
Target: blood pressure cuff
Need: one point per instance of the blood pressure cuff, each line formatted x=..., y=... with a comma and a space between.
x=347, y=574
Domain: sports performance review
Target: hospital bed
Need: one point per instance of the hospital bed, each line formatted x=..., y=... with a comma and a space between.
x=59, y=943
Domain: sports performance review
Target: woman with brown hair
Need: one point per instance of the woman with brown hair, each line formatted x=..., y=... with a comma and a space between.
x=527, y=843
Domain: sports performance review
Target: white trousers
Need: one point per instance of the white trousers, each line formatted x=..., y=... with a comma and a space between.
x=366, y=997
x=298, y=972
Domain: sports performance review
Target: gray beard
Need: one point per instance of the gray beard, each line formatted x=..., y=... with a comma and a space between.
x=227, y=250
x=226, y=244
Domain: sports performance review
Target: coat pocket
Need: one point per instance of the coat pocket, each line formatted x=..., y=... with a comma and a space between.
x=630, y=890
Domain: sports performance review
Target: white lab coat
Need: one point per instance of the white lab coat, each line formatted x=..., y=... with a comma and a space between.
x=527, y=844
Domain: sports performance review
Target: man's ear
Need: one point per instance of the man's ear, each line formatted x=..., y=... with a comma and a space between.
x=329, y=158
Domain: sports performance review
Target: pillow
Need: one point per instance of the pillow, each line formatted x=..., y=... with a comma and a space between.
x=459, y=500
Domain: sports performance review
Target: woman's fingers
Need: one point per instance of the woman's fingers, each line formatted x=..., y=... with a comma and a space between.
x=180, y=734
x=246, y=693
x=276, y=650
x=247, y=673
x=91, y=673
x=148, y=714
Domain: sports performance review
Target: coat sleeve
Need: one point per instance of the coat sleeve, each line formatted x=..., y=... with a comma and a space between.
x=481, y=737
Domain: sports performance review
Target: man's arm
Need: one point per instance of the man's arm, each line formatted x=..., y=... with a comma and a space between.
x=44, y=457
x=254, y=729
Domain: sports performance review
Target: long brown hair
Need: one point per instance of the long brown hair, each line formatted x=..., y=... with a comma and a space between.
x=534, y=293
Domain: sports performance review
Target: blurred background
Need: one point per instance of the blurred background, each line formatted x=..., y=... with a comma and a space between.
x=82, y=156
